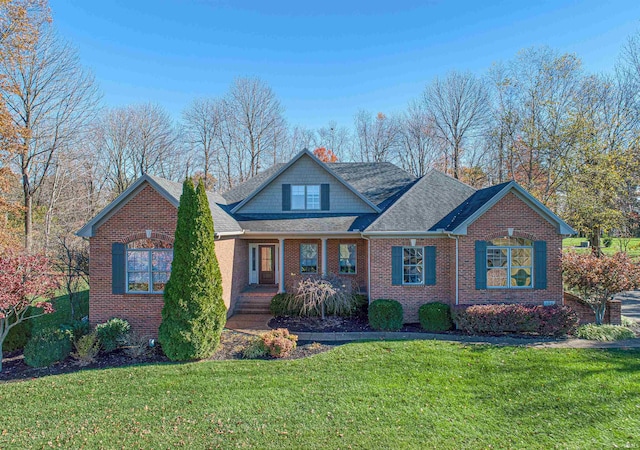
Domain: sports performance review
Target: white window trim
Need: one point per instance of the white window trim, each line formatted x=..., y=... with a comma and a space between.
x=355, y=272
x=413, y=265
x=306, y=208
x=300, y=262
x=149, y=270
x=508, y=267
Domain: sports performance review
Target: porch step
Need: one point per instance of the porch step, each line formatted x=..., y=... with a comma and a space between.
x=255, y=300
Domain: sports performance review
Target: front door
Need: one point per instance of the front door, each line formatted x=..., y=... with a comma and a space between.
x=266, y=266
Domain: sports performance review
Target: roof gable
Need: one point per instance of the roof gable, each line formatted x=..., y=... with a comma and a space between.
x=171, y=191
x=282, y=170
x=459, y=219
x=424, y=204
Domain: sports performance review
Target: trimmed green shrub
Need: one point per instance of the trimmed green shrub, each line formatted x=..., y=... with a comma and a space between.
x=279, y=343
x=284, y=305
x=47, y=347
x=595, y=332
x=78, y=328
x=385, y=315
x=194, y=312
x=625, y=321
x=536, y=319
x=111, y=334
x=18, y=336
x=435, y=317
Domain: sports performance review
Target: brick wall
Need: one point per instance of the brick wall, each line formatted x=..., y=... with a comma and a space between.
x=292, y=260
x=411, y=297
x=148, y=210
x=510, y=212
x=612, y=315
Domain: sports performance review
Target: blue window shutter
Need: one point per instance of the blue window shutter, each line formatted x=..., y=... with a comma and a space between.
x=430, y=265
x=118, y=276
x=286, y=197
x=324, y=197
x=396, y=265
x=540, y=265
x=481, y=265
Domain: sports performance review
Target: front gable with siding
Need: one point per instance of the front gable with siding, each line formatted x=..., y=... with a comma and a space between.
x=336, y=195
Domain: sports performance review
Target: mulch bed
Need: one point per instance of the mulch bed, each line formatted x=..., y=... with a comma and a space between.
x=231, y=345
x=330, y=324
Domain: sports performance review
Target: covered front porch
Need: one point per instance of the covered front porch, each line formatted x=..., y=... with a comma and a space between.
x=274, y=264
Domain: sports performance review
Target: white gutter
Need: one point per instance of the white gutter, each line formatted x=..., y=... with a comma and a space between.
x=288, y=234
x=227, y=233
x=391, y=234
x=457, y=272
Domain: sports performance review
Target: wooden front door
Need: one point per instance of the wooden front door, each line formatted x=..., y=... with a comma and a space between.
x=266, y=266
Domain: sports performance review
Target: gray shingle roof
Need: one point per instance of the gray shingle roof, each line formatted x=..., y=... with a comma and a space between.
x=222, y=221
x=379, y=182
x=424, y=204
x=243, y=190
x=467, y=208
x=304, y=223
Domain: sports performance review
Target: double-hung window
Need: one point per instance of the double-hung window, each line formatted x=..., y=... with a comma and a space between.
x=305, y=197
x=347, y=255
x=413, y=265
x=148, y=269
x=510, y=263
x=308, y=258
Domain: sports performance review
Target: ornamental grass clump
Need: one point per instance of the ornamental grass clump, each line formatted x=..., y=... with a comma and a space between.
x=319, y=296
x=595, y=332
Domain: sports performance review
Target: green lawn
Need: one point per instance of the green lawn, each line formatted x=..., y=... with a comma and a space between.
x=413, y=394
x=632, y=248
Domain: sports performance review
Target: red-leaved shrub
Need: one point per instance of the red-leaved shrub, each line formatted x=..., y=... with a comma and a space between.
x=279, y=342
x=531, y=319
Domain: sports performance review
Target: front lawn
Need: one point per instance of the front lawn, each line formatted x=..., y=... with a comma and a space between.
x=631, y=246
x=412, y=394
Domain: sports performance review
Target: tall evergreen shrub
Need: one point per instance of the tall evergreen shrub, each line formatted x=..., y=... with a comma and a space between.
x=194, y=313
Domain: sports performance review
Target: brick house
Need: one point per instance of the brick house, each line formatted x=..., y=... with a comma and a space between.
x=415, y=240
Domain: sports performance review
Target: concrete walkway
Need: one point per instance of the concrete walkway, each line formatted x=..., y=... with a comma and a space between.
x=630, y=304
x=256, y=324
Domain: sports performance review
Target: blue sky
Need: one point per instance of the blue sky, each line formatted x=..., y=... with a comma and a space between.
x=325, y=60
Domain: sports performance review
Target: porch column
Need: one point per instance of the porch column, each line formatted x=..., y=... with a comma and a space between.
x=281, y=265
x=324, y=257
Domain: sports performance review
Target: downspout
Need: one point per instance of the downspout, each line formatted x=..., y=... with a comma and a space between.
x=368, y=267
x=457, y=274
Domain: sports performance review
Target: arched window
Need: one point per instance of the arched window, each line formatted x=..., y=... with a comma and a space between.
x=510, y=263
x=148, y=265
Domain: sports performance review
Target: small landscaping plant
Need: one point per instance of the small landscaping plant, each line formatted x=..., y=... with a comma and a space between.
x=255, y=349
x=319, y=296
x=87, y=348
x=112, y=333
x=284, y=304
x=136, y=345
x=385, y=315
x=595, y=332
x=499, y=319
x=279, y=343
x=78, y=328
x=47, y=347
x=435, y=317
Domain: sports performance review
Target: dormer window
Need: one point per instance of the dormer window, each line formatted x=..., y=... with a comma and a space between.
x=305, y=197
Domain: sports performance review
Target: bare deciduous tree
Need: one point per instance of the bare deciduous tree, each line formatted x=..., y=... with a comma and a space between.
x=419, y=148
x=376, y=139
x=459, y=107
x=52, y=100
